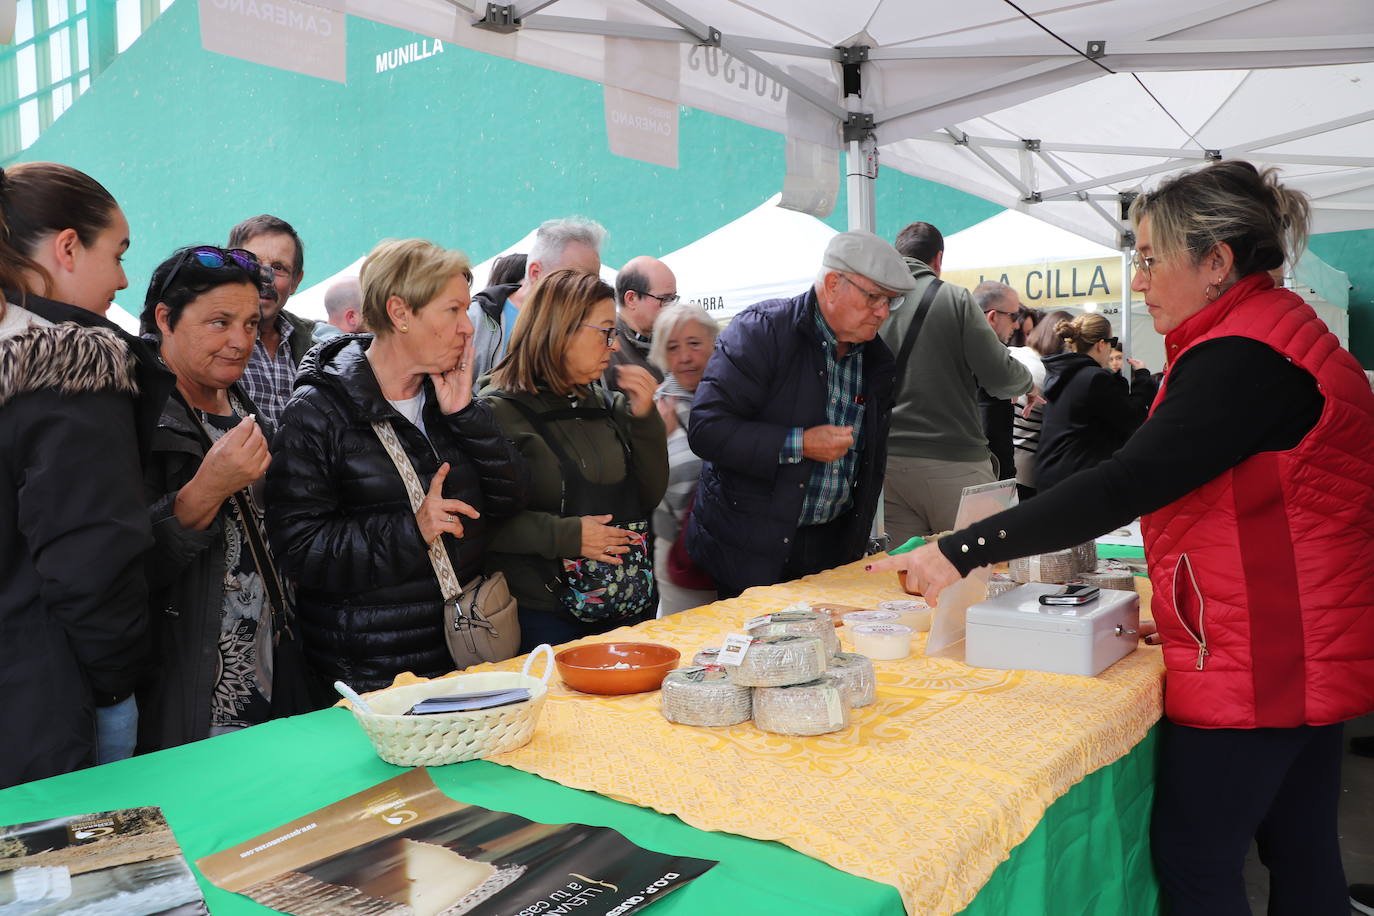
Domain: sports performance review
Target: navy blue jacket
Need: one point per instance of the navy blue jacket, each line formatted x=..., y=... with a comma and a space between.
x=767, y=375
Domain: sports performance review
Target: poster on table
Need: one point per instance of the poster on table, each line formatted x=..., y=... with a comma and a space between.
x=403, y=848
x=113, y=863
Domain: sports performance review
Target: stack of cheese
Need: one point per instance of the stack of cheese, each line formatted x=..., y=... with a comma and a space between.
x=704, y=695
x=1058, y=566
x=856, y=677
x=797, y=620
x=1110, y=574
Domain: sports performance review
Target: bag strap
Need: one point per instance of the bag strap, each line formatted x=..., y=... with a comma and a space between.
x=449, y=586
x=914, y=329
x=257, y=541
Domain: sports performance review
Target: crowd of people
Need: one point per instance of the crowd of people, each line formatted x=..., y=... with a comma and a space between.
x=207, y=525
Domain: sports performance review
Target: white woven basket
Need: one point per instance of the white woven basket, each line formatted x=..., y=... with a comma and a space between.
x=434, y=740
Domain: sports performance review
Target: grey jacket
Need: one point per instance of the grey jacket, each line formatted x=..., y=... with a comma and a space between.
x=957, y=352
x=487, y=333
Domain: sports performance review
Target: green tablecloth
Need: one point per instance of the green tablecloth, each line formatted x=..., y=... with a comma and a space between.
x=1089, y=855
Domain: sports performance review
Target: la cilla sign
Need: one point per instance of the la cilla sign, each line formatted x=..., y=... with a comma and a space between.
x=1050, y=285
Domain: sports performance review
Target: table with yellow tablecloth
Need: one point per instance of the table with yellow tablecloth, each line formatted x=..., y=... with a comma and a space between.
x=928, y=790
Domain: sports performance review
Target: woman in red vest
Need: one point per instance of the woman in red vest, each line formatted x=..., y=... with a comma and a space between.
x=1256, y=486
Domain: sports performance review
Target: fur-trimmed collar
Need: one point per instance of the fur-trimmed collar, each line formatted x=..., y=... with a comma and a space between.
x=66, y=358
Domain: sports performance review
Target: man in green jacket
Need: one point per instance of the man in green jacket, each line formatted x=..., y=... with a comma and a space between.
x=937, y=446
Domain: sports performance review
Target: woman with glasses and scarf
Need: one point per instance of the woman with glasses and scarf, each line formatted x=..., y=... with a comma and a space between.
x=1089, y=413
x=78, y=399
x=577, y=559
x=340, y=514
x=225, y=656
x=1258, y=516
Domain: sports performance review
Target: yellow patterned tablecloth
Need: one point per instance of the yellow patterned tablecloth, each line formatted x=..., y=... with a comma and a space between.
x=928, y=790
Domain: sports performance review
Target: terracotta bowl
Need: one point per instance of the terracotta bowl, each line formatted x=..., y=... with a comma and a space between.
x=592, y=669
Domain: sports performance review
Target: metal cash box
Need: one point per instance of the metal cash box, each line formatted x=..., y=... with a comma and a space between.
x=1015, y=631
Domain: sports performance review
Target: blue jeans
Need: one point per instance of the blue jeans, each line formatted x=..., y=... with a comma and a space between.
x=116, y=730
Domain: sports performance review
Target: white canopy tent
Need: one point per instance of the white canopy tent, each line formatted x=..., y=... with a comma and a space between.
x=916, y=75
x=1039, y=106
x=767, y=253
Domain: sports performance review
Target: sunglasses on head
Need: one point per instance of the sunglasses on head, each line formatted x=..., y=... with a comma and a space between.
x=213, y=257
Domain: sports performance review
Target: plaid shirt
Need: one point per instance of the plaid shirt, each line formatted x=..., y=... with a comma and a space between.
x=268, y=379
x=828, y=490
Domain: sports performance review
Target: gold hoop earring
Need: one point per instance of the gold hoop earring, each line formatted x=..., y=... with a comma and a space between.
x=1209, y=295
x=405, y=329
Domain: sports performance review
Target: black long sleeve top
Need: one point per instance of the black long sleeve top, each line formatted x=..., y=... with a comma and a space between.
x=1227, y=399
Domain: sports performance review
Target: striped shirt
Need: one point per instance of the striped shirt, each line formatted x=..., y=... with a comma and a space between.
x=828, y=492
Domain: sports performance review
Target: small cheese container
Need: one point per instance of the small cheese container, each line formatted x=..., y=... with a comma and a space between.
x=816, y=707
x=858, y=618
x=912, y=614
x=882, y=641
x=703, y=695
x=856, y=677
x=775, y=661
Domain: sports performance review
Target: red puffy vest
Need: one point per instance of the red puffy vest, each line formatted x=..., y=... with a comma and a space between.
x=1264, y=577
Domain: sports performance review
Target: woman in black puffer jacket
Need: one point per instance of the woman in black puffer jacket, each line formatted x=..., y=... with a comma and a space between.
x=1090, y=412
x=339, y=518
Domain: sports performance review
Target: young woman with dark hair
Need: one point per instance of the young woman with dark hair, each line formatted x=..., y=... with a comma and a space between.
x=73, y=528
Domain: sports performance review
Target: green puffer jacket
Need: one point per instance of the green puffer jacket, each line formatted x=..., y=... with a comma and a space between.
x=528, y=546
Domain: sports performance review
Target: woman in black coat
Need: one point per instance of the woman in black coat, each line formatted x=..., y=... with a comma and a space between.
x=340, y=520
x=73, y=528
x=1090, y=412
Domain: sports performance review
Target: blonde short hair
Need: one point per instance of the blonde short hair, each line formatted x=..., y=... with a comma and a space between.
x=414, y=270
x=667, y=323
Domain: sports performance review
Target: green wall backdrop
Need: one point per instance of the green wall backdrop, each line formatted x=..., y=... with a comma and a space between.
x=469, y=150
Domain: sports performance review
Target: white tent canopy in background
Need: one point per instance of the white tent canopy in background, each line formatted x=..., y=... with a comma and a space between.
x=309, y=302
x=1039, y=111
x=767, y=253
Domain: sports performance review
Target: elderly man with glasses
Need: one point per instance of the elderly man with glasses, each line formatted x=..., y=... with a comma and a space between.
x=791, y=421
x=947, y=349
x=642, y=288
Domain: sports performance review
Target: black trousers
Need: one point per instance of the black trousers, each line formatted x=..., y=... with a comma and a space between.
x=1219, y=788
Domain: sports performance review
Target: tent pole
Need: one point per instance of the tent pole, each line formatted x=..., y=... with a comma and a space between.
x=860, y=175
x=1128, y=320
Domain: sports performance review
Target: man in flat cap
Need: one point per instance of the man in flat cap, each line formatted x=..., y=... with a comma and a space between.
x=791, y=421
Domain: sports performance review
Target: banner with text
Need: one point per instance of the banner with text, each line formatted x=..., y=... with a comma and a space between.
x=301, y=37
x=1052, y=285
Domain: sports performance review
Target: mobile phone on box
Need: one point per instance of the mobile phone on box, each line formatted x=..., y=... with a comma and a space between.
x=1071, y=595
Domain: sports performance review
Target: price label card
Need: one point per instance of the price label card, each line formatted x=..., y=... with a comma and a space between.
x=753, y=623
x=733, y=649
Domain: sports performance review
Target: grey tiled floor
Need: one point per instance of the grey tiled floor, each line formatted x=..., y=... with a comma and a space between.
x=1357, y=823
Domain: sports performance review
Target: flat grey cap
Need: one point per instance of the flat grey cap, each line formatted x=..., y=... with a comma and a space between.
x=863, y=253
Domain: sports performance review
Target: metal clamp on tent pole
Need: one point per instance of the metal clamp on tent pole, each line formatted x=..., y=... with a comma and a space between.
x=1034, y=197
x=1125, y=199
x=1032, y=146
x=858, y=126
x=1213, y=155
x=499, y=17
x=1096, y=49
x=712, y=39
